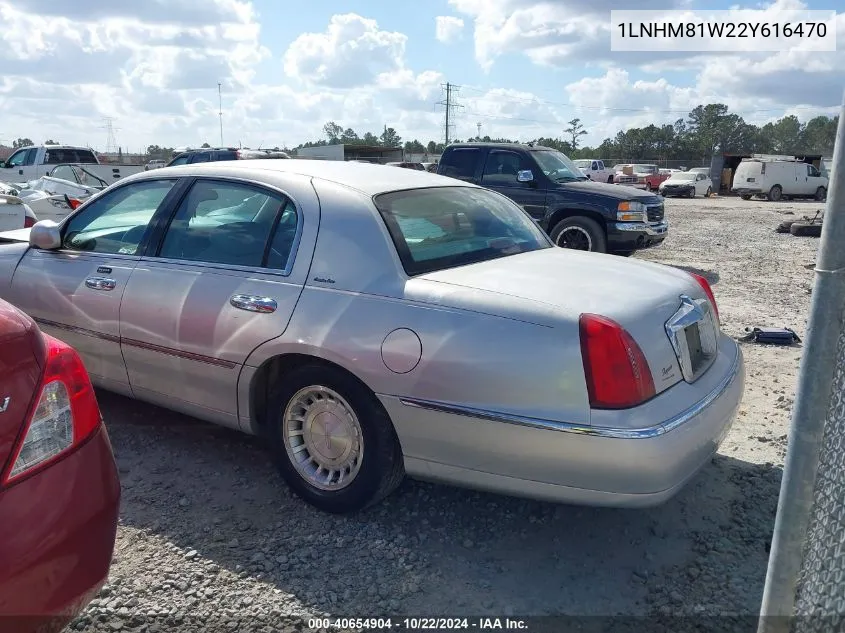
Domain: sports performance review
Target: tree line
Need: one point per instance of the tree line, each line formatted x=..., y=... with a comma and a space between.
x=706, y=130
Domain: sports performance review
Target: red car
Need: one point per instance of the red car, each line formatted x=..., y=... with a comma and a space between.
x=59, y=487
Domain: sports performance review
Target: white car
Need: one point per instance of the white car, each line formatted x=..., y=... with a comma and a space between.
x=688, y=184
x=595, y=170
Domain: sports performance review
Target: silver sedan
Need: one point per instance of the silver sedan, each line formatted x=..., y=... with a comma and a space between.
x=371, y=322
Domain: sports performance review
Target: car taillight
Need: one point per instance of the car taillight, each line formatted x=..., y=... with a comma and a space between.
x=708, y=290
x=617, y=372
x=28, y=222
x=66, y=413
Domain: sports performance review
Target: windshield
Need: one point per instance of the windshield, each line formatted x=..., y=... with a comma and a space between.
x=444, y=227
x=645, y=169
x=683, y=177
x=557, y=166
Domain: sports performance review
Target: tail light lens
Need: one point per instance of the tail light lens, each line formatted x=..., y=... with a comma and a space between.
x=616, y=371
x=65, y=414
x=708, y=290
x=28, y=222
x=72, y=202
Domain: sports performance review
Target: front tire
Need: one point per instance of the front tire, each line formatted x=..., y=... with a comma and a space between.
x=821, y=194
x=610, y=180
x=775, y=193
x=332, y=441
x=580, y=233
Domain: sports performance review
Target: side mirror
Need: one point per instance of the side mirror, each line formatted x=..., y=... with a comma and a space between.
x=525, y=175
x=45, y=235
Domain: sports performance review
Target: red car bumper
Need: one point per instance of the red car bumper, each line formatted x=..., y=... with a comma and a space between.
x=57, y=536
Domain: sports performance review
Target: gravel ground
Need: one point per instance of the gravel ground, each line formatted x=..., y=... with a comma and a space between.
x=210, y=538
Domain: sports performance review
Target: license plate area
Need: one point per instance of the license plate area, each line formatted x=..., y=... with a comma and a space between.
x=693, y=332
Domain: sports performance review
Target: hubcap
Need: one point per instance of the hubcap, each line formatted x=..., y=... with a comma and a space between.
x=576, y=238
x=323, y=438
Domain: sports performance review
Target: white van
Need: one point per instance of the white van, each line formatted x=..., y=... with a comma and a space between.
x=778, y=179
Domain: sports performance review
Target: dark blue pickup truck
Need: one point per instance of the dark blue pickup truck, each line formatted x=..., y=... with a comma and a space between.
x=576, y=212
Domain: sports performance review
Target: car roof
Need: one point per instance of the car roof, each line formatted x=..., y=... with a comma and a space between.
x=523, y=146
x=367, y=178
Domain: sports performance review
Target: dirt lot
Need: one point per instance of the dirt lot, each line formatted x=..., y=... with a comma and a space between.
x=210, y=535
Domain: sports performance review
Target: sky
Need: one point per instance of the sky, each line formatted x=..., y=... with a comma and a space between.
x=524, y=68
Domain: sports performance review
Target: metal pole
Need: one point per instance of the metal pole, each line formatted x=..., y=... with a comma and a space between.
x=816, y=437
x=220, y=102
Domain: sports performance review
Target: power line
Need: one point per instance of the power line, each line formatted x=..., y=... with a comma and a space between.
x=451, y=106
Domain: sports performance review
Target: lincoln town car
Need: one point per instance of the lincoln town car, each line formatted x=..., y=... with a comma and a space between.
x=368, y=322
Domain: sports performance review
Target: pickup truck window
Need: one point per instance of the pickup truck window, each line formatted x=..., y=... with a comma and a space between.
x=85, y=156
x=461, y=163
x=501, y=168
x=557, y=166
x=22, y=158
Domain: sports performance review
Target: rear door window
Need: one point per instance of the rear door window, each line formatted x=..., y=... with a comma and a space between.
x=461, y=163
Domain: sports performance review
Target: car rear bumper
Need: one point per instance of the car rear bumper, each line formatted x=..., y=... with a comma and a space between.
x=631, y=236
x=631, y=466
x=57, y=537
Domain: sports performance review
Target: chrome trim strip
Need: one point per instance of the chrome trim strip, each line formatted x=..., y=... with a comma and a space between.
x=651, y=228
x=581, y=429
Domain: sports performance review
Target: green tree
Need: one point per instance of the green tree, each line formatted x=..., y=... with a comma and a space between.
x=333, y=132
x=205, y=145
x=575, y=131
x=51, y=142
x=369, y=139
x=22, y=142
x=389, y=138
x=349, y=137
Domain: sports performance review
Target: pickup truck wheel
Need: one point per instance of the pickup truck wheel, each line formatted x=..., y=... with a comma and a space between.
x=821, y=194
x=332, y=440
x=580, y=233
x=775, y=193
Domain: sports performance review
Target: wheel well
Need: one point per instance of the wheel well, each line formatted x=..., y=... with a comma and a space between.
x=560, y=214
x=274, y=369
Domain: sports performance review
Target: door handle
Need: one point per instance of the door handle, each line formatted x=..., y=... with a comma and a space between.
x=100, y=283
x=251, y=303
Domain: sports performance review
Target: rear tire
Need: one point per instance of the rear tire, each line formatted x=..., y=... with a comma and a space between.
x=709, y=192
x=580, y=233
x=610, y=180
x=746, y=197
x=775, y=193
x=323, y=425
x=821, y=194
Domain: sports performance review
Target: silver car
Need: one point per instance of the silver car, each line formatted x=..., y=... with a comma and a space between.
x=371, y=322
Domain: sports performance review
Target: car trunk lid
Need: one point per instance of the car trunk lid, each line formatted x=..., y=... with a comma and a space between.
x=642, y=297
x=22, y=357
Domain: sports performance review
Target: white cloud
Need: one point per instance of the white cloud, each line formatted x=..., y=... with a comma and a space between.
x=448, y=28
x=352, y=52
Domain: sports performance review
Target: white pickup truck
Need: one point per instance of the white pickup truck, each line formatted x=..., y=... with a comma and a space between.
x=31, y=163
x=595, y=169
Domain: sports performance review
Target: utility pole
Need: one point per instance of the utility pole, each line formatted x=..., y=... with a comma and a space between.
x=478, y=125
x=804, y=591
x=220, y=105
x=451, y=105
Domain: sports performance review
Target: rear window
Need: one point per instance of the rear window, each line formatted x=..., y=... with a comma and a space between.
x=444, y=227
x=460, y=163
x=85, y=156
